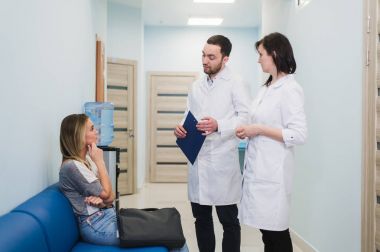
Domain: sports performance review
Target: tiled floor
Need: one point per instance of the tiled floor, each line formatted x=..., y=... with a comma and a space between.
x=175, y=195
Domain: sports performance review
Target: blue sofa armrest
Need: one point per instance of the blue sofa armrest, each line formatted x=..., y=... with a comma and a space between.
x=21, y=232
x=53, y=212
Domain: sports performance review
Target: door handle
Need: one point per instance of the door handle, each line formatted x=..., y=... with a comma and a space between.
x=131, y=133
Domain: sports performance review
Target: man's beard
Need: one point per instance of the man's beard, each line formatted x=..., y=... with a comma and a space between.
x=215, y=70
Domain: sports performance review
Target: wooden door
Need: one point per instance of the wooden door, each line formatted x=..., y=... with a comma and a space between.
x=121, y=76
x=168, y=94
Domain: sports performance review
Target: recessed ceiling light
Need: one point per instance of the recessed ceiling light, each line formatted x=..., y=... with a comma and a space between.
x=214, y=1
x=204, y=21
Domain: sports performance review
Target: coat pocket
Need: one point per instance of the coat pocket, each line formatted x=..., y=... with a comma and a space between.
x=263, y=201
x=269, y=160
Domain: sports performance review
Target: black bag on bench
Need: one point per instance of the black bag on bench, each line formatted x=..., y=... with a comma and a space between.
x=150, y=227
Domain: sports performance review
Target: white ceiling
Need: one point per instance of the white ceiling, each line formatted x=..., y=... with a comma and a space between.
x=242, y=13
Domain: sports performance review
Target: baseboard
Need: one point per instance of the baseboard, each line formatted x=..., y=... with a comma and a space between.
x=303, y=245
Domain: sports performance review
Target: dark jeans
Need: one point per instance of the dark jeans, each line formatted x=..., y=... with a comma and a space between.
x=204, y=227
x=277, y=241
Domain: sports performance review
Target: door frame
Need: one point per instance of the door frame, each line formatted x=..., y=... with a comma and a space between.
x=368, y=209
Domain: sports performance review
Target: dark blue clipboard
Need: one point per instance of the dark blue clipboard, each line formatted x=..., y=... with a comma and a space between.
x=192, y=143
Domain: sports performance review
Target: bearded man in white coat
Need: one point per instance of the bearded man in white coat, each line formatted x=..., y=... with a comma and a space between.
x=219, y=101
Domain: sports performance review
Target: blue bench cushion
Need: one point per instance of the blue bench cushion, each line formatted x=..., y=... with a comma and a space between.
x=82, y=247
x=54, y=213
x=21, y=232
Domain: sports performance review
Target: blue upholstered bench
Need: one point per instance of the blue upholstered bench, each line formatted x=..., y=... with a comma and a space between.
x=46, y=222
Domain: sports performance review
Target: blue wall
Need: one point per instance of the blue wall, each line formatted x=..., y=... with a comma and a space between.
x=47, y=68
x=180, y=49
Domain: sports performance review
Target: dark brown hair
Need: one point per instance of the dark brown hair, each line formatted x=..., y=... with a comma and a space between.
x=279, y=47
x=223, y=42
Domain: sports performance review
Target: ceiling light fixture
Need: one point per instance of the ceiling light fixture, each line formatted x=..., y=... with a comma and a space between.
x=204, y=21
x=214, y=1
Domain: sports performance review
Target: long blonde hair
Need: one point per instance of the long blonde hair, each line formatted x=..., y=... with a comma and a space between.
x=72, y=136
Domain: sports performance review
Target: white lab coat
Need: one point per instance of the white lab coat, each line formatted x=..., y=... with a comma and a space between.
x=215, y=177
x=268, y=168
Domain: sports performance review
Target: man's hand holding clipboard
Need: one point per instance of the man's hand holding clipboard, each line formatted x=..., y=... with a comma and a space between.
x=189, y=138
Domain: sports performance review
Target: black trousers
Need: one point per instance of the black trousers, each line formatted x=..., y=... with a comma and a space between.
x=277, y=241
x=204, y=227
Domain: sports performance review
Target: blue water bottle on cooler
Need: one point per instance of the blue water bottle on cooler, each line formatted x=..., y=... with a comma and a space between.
x=101, y=115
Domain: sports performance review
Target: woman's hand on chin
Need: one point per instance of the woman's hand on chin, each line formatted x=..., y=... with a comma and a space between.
x=95, y=153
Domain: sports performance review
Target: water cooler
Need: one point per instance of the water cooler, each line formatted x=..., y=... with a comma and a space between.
x=101, y=114
x=111, y=157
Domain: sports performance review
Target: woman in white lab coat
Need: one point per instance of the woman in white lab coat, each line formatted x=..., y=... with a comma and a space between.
x=277, y=124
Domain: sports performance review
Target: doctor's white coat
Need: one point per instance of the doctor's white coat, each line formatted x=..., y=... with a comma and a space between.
x=215, y=177
x=269, y=164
